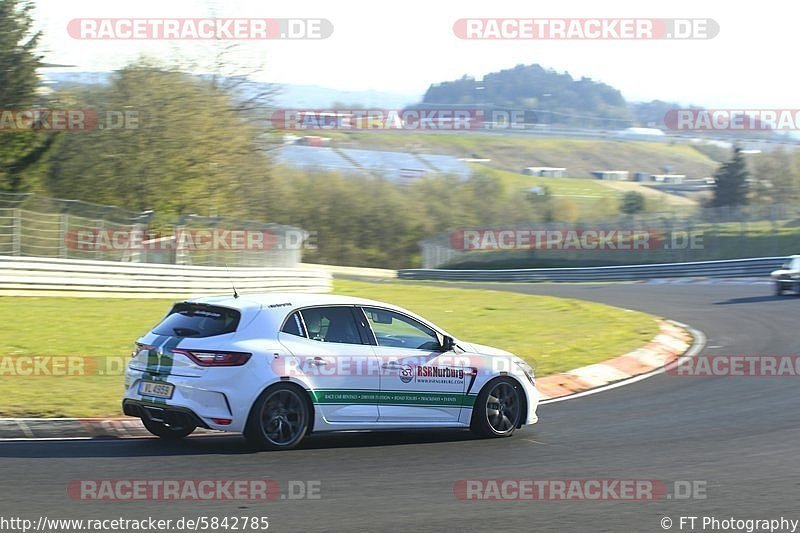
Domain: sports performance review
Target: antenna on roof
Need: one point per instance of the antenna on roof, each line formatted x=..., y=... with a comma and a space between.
x=235, y=294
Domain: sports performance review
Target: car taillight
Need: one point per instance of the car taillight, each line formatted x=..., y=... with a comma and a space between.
x=215, y=358
x=138, y=347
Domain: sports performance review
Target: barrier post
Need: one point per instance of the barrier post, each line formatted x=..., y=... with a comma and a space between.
x=16, y=236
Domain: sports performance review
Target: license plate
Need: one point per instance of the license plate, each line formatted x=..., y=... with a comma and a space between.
x=156, y=389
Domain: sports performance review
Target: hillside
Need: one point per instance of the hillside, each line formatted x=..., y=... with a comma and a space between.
x=594, y=198
x=513, y=153
x=551, y=97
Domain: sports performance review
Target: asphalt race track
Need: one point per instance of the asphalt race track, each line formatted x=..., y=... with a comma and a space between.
x=739, y=436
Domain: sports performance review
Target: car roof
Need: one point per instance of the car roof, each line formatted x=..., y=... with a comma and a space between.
x=280, y=304
x=279, y=300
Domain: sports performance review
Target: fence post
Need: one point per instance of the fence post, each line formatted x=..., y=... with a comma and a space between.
x=98, y=253
x=63, y=226
x=16, y=235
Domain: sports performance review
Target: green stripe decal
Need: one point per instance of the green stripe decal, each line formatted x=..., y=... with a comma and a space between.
x=159, y=359
x=159, y=362
x=437, y=399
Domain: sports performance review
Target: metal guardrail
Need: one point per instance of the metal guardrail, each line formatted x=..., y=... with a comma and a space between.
x=760, y=266
x=40, y=276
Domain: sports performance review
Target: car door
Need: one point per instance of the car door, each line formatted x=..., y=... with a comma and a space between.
x=418, y=382
x=331, y=349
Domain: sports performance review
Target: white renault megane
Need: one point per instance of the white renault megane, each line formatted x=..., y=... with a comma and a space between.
x=279, y=366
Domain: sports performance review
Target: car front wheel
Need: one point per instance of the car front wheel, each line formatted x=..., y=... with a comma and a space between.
x=279, y=418
x=498, y=408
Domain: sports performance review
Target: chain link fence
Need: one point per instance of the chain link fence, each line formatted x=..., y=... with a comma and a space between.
x=33, y=225
x=705, y=234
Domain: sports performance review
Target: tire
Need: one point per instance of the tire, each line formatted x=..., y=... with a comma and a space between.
x=166, y=431
x=279, y=418
x=778, y=289
x=498, y=408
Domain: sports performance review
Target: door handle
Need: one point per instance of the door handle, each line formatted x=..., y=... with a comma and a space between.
x=318, y=361
x=391, y=365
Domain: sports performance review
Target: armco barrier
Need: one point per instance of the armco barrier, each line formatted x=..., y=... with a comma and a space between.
x=48, y=276
x=760, y=266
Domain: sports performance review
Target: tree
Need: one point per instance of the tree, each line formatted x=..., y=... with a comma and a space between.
x=538, y=92
x=632, y=202
x=188, y=151
x=19, y=61
x=731, y=182
x=18, y=58
x=776, y=176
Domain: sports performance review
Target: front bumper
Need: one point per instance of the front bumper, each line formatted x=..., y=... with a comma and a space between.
x=533, y=396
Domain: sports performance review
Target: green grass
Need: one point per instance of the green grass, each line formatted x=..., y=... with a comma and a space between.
x=577, y=187
x=73, y=327
x=592, y=199
x=553, y=334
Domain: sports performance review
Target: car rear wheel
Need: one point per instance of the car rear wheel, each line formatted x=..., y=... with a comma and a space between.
x=167, y=431
x=778, y=289
x=498, y=408
x=279, y=418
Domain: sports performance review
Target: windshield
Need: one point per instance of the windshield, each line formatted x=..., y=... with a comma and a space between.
x=193, y=320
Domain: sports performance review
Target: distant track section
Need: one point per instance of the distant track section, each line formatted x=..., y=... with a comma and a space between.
x=759, y=266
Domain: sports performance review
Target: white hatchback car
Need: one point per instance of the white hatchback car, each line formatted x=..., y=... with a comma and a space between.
x=788, y=276
x=279, y=366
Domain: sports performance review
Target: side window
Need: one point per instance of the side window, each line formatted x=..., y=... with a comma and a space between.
x=332, y=324
x=400, y=331
x=294, y=325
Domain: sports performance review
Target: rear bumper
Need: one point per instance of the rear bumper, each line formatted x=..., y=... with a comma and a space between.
x=168, y=414
x=204, y=399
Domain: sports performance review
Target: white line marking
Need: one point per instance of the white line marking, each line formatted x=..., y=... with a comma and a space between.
x=25, y=429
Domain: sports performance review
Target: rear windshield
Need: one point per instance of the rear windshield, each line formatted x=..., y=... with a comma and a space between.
x=195, y=320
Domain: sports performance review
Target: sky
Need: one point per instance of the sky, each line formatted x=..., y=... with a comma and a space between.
x=403, y=47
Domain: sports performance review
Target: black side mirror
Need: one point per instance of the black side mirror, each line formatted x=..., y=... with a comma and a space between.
x=448, y=343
